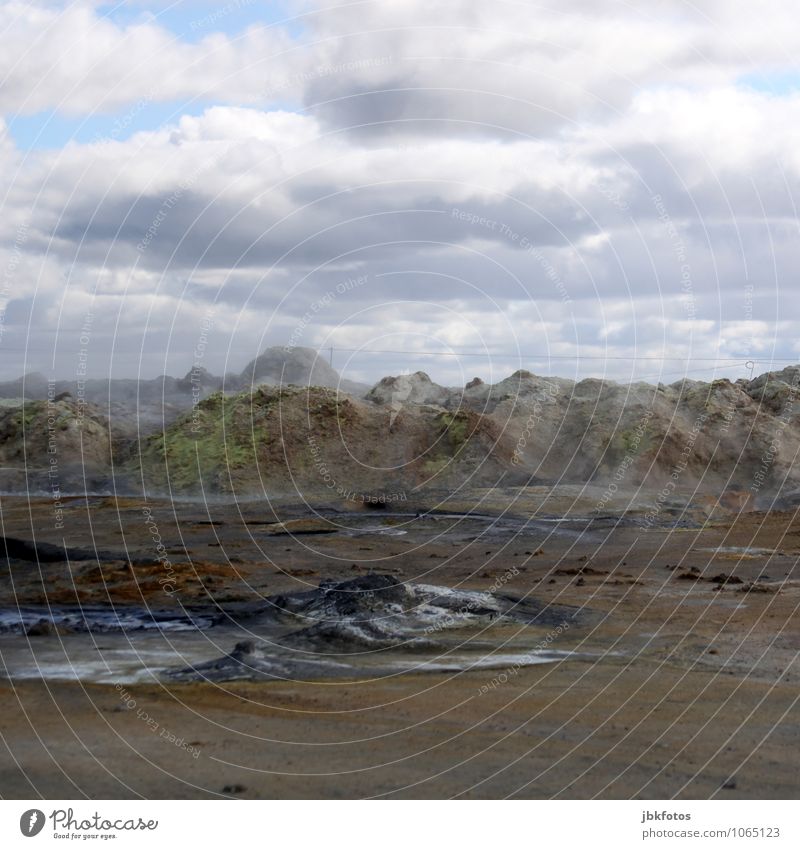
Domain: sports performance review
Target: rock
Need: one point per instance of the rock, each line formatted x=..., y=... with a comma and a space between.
x=299, y=366
x=757, y=588
x=722, y=578
x=415, y=388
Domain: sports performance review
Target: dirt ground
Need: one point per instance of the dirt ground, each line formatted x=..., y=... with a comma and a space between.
x=685, y=684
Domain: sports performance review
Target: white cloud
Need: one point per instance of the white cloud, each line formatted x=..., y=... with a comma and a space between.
x=551, y=135
x=72, y=59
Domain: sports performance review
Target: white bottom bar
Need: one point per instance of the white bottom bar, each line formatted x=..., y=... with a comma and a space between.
x=400, y=825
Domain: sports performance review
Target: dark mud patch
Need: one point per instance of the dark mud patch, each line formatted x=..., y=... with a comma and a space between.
x=44, y=552
x=372, y=624
x=39, y=620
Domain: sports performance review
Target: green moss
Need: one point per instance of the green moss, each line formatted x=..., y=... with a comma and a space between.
x=627, y=443
x=222, y=436
x=234, y=439
x=633, y=441
x=29, y=412
x=456, y=427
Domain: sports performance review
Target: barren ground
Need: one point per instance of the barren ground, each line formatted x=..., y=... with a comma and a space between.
x=686, y=687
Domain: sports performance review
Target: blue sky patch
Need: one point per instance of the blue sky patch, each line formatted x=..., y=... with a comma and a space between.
x=52, y=130
x=194, y=21
x=778, y=82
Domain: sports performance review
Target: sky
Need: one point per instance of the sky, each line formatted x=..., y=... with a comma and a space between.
x=585, y=189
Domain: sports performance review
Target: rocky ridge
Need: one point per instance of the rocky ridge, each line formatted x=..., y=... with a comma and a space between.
x=408, y=433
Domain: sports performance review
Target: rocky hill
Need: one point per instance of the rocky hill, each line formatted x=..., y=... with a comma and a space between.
x=57, y=446
x=315, y=440
x=408, y=433
x=151, y=404
x=278, y=366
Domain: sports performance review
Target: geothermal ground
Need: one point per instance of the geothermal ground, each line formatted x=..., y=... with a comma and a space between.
x=502, y=642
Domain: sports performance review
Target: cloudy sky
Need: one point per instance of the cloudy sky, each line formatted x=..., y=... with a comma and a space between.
x=578, y=188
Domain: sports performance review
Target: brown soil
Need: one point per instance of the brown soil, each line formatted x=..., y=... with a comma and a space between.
x=691, y=690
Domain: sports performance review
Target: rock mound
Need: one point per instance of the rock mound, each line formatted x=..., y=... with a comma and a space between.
x=300, y=366
x=340, y=621
x=317, y=441
x=415, y=388
x=55, y=446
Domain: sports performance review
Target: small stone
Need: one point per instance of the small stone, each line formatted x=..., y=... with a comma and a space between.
x=234, y=789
